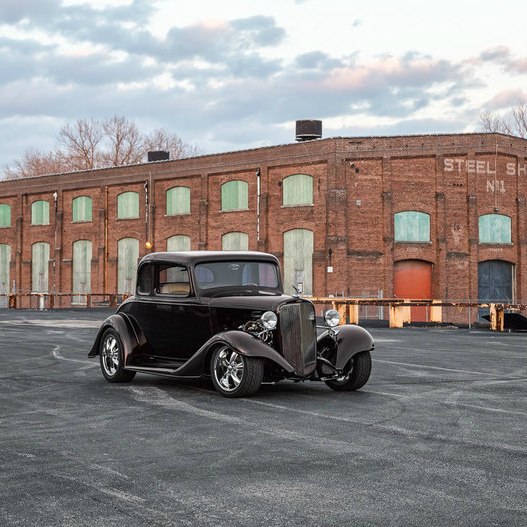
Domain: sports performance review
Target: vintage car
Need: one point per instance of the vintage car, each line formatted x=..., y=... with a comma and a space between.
x=225, y=315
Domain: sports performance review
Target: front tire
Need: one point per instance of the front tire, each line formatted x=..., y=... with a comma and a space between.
x=358, y=375
x=235, y=375
x=111, y=356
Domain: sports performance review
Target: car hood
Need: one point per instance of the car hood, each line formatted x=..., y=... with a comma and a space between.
x=257, y=302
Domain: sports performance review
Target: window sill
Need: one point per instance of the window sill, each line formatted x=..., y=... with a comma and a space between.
x=235, y=210
x=298, y=205
x=496, y=244
x=399, y=242
x=178, y=215
x=81, y=221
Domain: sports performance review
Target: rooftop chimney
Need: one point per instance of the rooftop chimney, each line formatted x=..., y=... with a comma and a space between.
x=307, y=130
x=158, y=155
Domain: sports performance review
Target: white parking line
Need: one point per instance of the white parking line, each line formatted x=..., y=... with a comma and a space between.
x=423, y=366
x=56, y=353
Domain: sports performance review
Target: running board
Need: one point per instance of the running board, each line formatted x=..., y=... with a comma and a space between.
x=161, y=371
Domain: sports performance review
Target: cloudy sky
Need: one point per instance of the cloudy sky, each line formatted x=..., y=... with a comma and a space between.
x=236, y=74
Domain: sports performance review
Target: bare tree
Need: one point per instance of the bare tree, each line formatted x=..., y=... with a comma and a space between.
x=81, y=141
x=126, y=145
x=163, y=139
x=36, y=163
x=87, y=144
x=511, y=123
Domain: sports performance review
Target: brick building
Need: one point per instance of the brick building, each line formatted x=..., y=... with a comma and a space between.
x=431, y=216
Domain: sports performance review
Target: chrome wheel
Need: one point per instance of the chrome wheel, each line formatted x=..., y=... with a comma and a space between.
x=110, y=355
x=234, y=374
x=228, y=369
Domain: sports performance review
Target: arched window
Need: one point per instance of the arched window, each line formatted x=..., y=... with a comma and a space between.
x=178, y=201
x=412, y=226
x=494, y=228
x=235, y=241
x=235, y=195
x=5, y=215
x=127, y=256
x=40, y=267
x=178, y=243
x=81, y=209
x=40, y=213
x=297, y=190
x=5, y=261
x=298, y=260
x=82, y=254
x=128, y=205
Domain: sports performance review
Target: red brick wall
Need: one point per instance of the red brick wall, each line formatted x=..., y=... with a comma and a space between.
x=359, y=184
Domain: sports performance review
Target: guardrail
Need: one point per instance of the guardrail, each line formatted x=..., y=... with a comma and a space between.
x=348, y=308
x=399, y=309
x=43, y=301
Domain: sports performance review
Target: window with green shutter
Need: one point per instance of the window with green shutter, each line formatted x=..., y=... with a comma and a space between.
x=128, y=205
x=82, y=254
x=412, y=226
x=494, y=228
x=178, y=201
x=40, y=213
x=235, y=195
x=235, y=241
x=82, y=209
x=298, y=260
x=40, y=267
x=5, y=261
x=127, y=257
x=178, y=243
x=297, y=190
x=5, y=215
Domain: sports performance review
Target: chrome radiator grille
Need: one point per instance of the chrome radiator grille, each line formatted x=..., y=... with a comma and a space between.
x=298, y=336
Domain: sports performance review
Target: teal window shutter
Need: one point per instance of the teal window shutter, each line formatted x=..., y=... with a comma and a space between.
x=178, y=201
x=412, y=226
x=235, y=195
x=5, y=261
x=40, y=213
x=178, y=243
x=82, y=209
x=5, y=215
x=297, y=190
x=127, y=257
x=495, y=228
x=40, y=267
x=128, y=205
x=82, y=255
x=298, y=260
x=235, y=241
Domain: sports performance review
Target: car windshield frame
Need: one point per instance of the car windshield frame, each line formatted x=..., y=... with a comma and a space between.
x=237, y=277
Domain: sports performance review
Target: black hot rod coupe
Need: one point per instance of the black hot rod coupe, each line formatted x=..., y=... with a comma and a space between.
x=224, y=314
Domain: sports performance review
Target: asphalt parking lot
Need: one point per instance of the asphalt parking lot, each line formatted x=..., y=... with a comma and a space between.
x=437, y=437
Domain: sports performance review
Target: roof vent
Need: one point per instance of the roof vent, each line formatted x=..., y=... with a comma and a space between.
x=158, y=155
x=307, y=130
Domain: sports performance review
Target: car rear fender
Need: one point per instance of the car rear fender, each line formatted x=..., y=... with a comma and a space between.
x=350, y=340
x=249, y=346
x=131, y=338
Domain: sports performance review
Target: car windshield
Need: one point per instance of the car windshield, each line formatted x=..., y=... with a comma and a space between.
x=237, y=277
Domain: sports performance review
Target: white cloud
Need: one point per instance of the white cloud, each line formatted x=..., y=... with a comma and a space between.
x=233, y=75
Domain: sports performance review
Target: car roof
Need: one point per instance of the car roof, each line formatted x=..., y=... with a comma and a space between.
x=196, y=257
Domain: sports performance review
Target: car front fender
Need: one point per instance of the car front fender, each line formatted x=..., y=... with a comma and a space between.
x=241, y=343
x=349, y=340
x=131, y=339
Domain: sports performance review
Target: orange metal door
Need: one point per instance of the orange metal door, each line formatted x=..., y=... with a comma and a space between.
x=413, y=279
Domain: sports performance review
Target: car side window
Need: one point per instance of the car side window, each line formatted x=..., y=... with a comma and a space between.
x=172, y=280
x=144, y=280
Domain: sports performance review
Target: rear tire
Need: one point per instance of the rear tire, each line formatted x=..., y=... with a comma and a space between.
x=235, y=375
x=111, y=356
x=358, y=375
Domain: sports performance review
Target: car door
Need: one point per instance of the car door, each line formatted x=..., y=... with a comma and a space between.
x=175, y=323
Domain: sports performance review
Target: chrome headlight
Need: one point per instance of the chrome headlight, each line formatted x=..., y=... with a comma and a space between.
x=269, y=320
x=332, y=317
